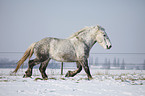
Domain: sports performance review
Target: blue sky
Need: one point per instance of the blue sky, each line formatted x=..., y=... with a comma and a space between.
x=23, y=22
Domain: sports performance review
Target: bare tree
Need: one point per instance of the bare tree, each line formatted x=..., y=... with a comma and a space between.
x=96, y=61
x=118, y=63
x=114, y=62
x=144, y=65
x=122, y=67
x=108, y=64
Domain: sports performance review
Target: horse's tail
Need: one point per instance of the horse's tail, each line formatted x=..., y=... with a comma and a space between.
x=29, y=52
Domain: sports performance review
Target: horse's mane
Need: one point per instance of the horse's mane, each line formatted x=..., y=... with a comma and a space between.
x=79, y=32
x=85, y=29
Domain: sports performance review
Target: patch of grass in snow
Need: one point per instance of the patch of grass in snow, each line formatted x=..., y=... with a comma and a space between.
x=133, y=79
x=142, y=78
x=53, y=78
x=38, y=79
x=62, y=79
x=4, y=80
x=2, y=77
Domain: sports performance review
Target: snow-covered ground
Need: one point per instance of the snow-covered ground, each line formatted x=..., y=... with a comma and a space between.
x=105, y=83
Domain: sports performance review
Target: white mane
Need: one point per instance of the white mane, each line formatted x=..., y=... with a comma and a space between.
x=85, y=29
x=77, y=33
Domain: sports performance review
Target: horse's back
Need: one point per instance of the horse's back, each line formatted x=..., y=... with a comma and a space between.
x=54, y=48
x=62, y=50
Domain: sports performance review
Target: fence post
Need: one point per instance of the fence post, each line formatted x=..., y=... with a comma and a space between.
x=61, y=68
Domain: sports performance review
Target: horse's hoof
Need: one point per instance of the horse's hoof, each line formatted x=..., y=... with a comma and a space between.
x=90, y=78
x=68, y=74
x=24, y=76
x=46, y=78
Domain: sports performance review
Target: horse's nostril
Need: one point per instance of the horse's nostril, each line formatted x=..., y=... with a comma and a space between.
x=108, y=47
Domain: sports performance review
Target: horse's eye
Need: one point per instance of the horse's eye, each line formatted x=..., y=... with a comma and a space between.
x=104, y=35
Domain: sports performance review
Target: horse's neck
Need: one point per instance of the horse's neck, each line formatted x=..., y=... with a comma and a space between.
x=88, y=39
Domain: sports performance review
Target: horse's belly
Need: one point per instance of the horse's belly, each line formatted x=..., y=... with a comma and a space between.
x=64, y=57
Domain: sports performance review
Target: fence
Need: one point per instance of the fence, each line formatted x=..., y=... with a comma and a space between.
x=96, y=60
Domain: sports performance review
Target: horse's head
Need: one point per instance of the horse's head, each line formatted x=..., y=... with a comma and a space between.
x=102, y=38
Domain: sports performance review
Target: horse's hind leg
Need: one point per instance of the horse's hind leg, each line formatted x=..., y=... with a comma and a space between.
x=42, y=69
x=73, y=73
x=31, y=64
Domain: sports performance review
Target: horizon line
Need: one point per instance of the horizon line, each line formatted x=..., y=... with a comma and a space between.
x=95, y=52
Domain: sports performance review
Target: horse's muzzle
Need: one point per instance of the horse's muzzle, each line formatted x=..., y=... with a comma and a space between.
x=108, y=47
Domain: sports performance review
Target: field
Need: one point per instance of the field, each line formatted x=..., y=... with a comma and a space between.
x=104, y=83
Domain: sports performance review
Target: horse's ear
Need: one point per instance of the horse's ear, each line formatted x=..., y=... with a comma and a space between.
x=98, y=26
x=94, y=27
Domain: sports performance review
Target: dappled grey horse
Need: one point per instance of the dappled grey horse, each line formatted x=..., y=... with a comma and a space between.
x=76, y=48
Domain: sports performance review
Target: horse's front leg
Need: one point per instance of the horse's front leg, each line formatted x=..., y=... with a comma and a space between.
x=84, y=63
x=73, y=73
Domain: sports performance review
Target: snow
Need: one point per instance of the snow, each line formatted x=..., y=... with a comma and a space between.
x=105, y=83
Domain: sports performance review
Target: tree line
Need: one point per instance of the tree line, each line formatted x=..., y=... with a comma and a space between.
x=6, y=63
x=116, y=64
